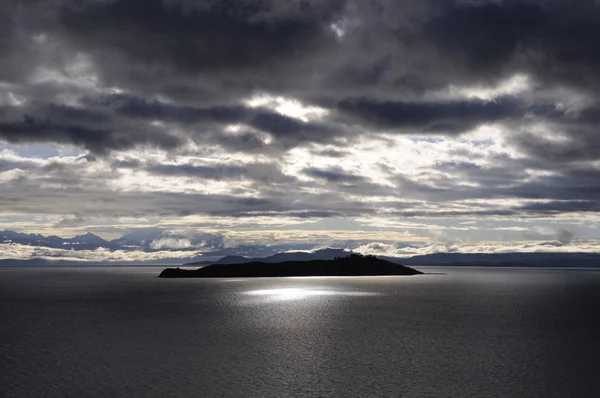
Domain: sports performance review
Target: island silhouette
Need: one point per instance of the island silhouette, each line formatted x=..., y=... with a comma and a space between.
x=351, y=265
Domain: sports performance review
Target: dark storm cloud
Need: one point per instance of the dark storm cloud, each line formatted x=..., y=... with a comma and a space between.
x=378, y=65
x=195, y=51
x=551, y=39
x=282, y=127
x=346, y=184
x=213, y=53
x=255, y=172
x=247, y=44
x=245, y=142
x=31, y=129
x=202, y=121
x=192, y=36
x=437, y=117
x=577, y=132
x=208, y=172
x=580, y=186
x=470, y=213
x=163, y=47
x=556, y=207
x=333, y=175
x=135, y=107
x=18, y=58
x=564, y=190
x=47, y=122
x=501, y=174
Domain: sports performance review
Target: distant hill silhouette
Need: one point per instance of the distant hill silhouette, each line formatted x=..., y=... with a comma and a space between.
x=352, y=265
x=138, y=240
x=87, y=241
x=322, y=254
x=504, y=259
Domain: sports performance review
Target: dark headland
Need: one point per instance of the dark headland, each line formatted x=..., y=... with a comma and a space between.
x=353, y=265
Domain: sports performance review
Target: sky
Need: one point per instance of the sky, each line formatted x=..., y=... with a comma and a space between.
x=388, y=127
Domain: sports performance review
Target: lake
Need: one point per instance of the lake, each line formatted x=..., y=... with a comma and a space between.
x=457, y=332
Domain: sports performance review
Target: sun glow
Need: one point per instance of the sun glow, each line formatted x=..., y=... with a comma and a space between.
x=287, y=106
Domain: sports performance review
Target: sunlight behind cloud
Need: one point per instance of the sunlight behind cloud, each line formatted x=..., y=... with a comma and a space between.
x=513, y=85
x=287, y=106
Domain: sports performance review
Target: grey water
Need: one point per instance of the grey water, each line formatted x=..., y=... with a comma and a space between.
x=458, y=332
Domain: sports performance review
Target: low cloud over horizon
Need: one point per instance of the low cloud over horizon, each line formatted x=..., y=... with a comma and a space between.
x=407, y=127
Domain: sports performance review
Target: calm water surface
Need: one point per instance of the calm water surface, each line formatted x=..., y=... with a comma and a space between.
x=470, y=332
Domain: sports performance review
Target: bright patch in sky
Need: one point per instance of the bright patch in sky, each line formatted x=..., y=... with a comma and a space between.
x=288, y=107
x=515, y=85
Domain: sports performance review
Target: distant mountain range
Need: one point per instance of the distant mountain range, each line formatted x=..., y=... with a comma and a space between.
x=215, y=252
x=86, y=241
x=147, y=239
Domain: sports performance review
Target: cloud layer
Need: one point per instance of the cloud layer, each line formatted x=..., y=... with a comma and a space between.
x=234, y=117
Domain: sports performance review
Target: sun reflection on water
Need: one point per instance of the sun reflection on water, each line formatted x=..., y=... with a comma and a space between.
x=284, y=294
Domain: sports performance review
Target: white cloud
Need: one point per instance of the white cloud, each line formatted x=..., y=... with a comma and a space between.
x=387, y=249
x=24, y=252
x=170, y=243
x=514, y=85
x=287, y=106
